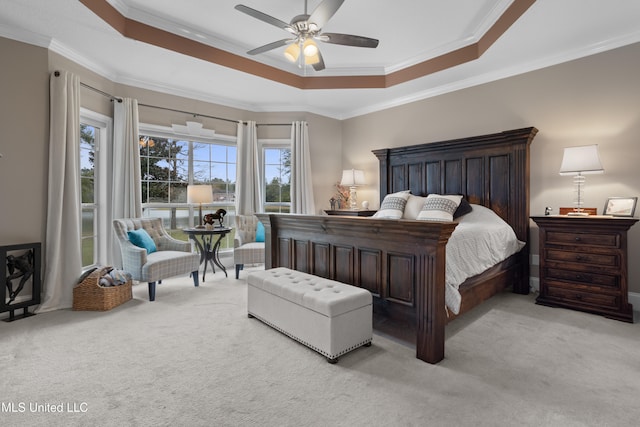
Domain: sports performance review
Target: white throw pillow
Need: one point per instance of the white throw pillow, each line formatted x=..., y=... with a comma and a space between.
x=413, y=207
x=439, y=207
x=392, y=206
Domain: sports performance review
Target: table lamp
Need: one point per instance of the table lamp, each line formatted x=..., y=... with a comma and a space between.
x=580, y=161
x=199, y=194
x=352, y=178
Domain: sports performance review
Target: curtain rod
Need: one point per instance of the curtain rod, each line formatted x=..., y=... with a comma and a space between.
x=115, y=98
x=210, y=117
x=188, y=112
x=111, y=97
x=108, y=95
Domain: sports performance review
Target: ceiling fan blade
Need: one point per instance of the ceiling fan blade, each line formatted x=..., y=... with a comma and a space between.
x=319, y=66
x=270, y=46
x=324, y=12
x=263, y=17
x=348, y=40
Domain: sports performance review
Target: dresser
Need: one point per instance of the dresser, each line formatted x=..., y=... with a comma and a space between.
x=583, y=264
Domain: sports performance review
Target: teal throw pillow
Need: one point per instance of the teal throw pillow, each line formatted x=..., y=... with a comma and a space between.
x=260, y=232
x=141, y=239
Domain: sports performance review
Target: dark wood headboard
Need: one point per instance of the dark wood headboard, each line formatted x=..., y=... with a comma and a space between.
x=489, y=170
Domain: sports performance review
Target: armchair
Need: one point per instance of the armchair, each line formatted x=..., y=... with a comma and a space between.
x=172, y=258
x=245, y=248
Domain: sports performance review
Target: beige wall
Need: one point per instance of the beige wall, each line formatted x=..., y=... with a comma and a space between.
x=24, y=121
x=591, y=100
x=594, y=100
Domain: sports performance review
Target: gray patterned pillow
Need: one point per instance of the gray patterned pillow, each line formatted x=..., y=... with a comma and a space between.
x=439, y=208
x=392, y=206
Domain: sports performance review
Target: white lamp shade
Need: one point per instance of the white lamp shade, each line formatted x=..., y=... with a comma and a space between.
x=199, y=194
x=352, y=178
x=581, y=160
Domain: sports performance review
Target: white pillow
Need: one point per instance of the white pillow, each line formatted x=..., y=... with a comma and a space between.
x=439, y=207
x=414, y=206
x=392, y=206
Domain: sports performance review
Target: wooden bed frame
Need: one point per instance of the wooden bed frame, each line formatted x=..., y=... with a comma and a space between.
x=402, y=262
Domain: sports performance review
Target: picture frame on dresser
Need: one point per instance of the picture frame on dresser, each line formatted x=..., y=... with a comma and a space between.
x=620, y=206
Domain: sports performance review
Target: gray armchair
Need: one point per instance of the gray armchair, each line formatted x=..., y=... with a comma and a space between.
x=245, y=248
x=172, y=258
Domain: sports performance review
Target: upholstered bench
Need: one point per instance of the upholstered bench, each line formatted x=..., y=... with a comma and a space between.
x=329, y=317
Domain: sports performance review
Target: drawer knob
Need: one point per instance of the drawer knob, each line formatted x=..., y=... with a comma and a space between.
x=579, y=276
x=579, y=258
x=578, y=238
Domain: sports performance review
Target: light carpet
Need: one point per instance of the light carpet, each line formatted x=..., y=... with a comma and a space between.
x=193, y=358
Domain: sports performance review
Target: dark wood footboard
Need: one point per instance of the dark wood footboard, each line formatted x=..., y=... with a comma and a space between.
x=402, y=263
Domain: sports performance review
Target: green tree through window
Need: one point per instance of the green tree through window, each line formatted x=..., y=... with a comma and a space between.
x=277, y=178
x=88, y=196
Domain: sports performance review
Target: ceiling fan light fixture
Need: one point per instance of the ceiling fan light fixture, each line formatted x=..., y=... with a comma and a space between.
x=310, y=48
x=310, y=60
x=292, y=52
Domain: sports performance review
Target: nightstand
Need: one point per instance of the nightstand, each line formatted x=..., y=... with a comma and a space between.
x=583, y=264
x=349, y=212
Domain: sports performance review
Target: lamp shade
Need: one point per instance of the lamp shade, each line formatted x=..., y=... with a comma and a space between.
x=292, y=52
x=581, y=160
x=199, y=194
x=352, y=178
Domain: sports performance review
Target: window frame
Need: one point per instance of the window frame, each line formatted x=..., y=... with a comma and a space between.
x=103, y=126
x=264, y=144
x=167, y=132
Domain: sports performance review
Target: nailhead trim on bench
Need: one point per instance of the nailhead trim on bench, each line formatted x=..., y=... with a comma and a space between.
x=322, y=352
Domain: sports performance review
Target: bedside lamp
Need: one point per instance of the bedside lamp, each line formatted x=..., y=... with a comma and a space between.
x=199, y=194
x=580, y=161
x=352, y=178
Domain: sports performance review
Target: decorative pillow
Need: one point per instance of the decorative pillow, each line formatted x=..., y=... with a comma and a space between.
x=414, y=206
x=141, y=239
x=260, y=232
x=439, y=208
x=463, y=209
x=392, y=206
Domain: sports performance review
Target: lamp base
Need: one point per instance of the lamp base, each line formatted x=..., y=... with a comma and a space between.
x=353, y=199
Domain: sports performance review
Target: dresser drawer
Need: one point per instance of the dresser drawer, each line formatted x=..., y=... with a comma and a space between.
x=589, y=279
x=593, y=239
x=606, y=260
x=572, y=295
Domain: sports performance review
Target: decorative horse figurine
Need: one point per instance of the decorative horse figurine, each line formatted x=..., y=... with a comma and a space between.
x=211, y=218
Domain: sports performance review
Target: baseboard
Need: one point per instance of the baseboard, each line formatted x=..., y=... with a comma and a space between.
x=634, y=299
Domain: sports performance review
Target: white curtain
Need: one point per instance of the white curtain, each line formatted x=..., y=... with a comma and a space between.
x=63, y=253
x=301, y=183
x=126, y=200
x=248, y=178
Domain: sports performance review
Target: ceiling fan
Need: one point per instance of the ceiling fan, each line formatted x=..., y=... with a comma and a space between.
x=306, y=29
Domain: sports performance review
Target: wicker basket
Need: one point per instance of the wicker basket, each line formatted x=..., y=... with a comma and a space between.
x=89, y=295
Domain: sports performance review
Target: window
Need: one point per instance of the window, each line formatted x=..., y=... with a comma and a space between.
x=95, y=131
x=169, y=163
x=87, y=184
x=276, y=164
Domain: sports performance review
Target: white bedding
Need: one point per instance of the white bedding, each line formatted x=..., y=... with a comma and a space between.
x=480, y=240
